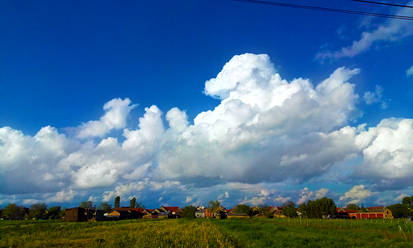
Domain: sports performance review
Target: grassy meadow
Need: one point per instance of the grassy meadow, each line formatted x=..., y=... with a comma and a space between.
x=209, y=233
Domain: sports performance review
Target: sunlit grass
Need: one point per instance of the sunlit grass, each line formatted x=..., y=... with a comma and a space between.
x=209, y=233
x=320, y=233
x=137, y=233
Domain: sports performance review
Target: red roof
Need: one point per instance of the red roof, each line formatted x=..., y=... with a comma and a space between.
x=132, y=209
x=376, y=209
x=351, y=211
x=172, y=209
x=230, y=210
x=344, y=210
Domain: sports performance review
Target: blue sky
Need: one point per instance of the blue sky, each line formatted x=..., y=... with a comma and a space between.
x=61, y=62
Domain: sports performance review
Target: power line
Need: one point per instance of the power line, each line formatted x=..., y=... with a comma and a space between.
x=384, y=3
x=311, y=7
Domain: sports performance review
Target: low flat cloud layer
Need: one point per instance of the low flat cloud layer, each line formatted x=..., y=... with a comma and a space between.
x=266, y=131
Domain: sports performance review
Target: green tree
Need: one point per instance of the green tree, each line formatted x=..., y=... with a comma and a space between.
x=188, y=212
x=14, y=212
x=117, y=201
x=327, y=206
x=242, y=209
x=289, y=211
x=105, y=207
x=132, y=202
x=302, y=209
x=288, y=204
x=318, y=208
x=363, y=209
x=408, y=201
x=352, y=206
x=54, y=212
x=38, y=211
x=86, y=204
x=400, y=210
x=214, y=205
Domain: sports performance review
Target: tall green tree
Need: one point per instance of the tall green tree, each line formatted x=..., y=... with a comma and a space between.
x=105, y=207
x=289, y=211
x=318, y=208
x=188, y=212
x=327, y=206
x=117, y=201
x=400, y=210
x=38, y=211
x=363, y=209
x=408, y=201
x=86, y=204
x=288, y=204
x=352, y=206
x=242, y=209
x=132, y=202
x=14, y=212
x=54, y=212
x=214, y=205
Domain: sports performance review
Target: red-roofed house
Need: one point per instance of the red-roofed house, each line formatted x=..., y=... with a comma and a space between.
x=170, y=212
x=373, y=213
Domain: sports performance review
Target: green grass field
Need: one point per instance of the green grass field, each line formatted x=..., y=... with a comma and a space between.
x=208, y=233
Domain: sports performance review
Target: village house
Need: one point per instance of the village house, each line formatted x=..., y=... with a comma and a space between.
x=200, y=212
x=231, y=214
x=124, y=213
x=161, y=213
x=379, y=212
x=78, y=214
x=219, y=213
x=147, y=214
x=278, y=212
x=172, y=212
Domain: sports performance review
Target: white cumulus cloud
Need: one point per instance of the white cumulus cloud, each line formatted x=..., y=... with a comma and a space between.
x=62, y=196
x=262, y=113
x=388, y=152
x=321, y=193
x=116, y=113
x=373, y=97
x=356, y=194
x=264, y=129
x=281, y=199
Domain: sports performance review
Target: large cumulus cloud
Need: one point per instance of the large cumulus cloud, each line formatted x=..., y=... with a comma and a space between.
x=116, y=110
x=264, y=130
x=387, y=150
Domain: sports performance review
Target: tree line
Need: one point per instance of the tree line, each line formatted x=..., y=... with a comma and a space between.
x=36, y=211
x=319, y=208
x=403, y=209
x=311, y=209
